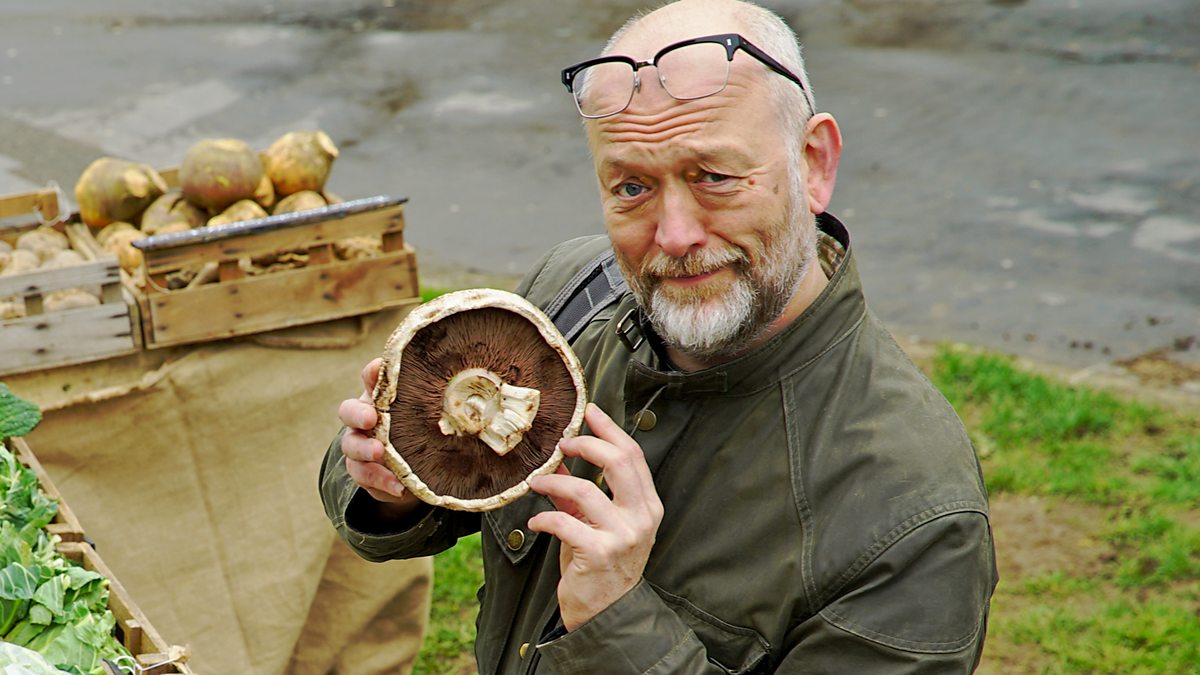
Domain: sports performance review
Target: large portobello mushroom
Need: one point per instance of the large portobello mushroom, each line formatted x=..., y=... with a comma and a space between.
x=476, y=389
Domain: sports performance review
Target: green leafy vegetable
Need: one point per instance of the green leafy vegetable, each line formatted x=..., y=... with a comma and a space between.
x=24, y=504
x=47, y=603
x=17, y=416
x=17, y=659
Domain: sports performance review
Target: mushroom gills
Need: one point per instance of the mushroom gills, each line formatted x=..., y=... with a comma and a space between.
x=477, y=402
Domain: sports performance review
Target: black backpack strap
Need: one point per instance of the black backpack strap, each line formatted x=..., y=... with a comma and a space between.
x=597, y=285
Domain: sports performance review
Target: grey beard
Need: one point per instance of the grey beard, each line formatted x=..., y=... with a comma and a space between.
x=721, y=327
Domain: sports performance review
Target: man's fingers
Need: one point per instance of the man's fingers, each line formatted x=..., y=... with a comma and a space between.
x=357, y=414
x=573, y=533
x=620, y=458
x=578, y=498
x=376, y=479
x=370, y=375
x=360, y=447
x=560, y=503
x=603, y=426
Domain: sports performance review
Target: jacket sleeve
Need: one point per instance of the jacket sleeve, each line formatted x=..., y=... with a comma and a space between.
x=919, y=607
x=351, y=510
x=638, y=634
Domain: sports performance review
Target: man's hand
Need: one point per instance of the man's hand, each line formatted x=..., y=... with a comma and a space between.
x=364, y=453
x=605, y=542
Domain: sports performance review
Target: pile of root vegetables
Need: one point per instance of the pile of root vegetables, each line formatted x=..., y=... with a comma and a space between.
x=44, y=248
x=221, y=181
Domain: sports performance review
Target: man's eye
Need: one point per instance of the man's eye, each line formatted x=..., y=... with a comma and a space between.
x=631, y=189
x=710, y=177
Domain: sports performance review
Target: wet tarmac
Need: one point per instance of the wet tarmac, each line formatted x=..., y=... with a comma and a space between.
x=1022, y=175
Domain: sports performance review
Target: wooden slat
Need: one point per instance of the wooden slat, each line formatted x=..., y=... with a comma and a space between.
x=41, y=282
x=61, y=338
x=112, y=293
x=44, y=202
x=320, y=255
x=374, y=223
x=229, y=270
x=281, y=299
x=393, y=241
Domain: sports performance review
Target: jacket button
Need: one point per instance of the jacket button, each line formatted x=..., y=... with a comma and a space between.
x=524, y=649
x=515, y=540
x=646, y=420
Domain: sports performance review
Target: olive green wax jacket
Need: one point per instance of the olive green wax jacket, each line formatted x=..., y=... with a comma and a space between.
x=824, y=511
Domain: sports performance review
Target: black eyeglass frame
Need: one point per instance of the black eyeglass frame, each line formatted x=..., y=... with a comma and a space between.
x=731, y=41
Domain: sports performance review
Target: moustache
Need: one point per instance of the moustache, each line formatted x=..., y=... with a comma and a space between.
x=661, y=265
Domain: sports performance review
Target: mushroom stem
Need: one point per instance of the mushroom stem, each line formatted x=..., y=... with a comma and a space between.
x=477, y=402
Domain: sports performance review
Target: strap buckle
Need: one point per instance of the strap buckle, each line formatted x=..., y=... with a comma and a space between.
x=628, y=325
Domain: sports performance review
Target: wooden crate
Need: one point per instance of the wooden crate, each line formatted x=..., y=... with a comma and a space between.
x=42, y=339
x=152, y=653
x=133, y=630
x=235, y=303
x=65, y=524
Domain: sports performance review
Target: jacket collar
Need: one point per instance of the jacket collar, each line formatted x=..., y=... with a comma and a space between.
x=830, y=318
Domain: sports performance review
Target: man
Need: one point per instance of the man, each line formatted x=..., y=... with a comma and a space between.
x=782, y=491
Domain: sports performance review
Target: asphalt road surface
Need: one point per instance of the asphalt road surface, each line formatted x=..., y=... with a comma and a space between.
x=1023, y=175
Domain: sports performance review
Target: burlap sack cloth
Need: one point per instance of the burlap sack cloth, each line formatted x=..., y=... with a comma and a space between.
x=194, y=469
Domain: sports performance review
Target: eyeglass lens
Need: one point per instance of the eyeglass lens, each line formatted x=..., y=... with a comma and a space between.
x=688, y=72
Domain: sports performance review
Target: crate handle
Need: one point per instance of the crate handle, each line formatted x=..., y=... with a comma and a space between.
x=203, y=235
x=54, y=214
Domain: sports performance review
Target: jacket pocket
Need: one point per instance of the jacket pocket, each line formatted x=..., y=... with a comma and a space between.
x=510, y=525
x=736, y=650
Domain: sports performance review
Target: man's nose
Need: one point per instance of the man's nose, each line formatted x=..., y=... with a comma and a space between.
x=681, y=223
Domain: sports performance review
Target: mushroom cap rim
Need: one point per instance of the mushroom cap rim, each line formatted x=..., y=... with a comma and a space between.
x=385, y=388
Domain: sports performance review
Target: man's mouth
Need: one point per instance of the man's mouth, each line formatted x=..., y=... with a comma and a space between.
x=693, y=279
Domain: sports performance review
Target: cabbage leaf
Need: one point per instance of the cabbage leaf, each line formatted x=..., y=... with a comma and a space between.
x=17, y=416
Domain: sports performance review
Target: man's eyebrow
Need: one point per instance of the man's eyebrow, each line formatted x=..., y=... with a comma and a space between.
x=614, y=165
x=727, y=153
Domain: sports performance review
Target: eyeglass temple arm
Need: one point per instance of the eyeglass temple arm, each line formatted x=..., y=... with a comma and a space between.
x=772, y=63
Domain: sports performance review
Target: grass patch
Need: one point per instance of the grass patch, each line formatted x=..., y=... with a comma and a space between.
x=1174, y=471
x=1135, y=608
x=428, y=294
x=1156, y=549
x=450, y=637
x=1131, y=610
x=1036, y=436
x=1153, y=636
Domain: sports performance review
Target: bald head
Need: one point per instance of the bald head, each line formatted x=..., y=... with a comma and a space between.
x=644, y=34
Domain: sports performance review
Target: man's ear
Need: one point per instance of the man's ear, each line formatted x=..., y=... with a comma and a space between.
x=822, y=151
